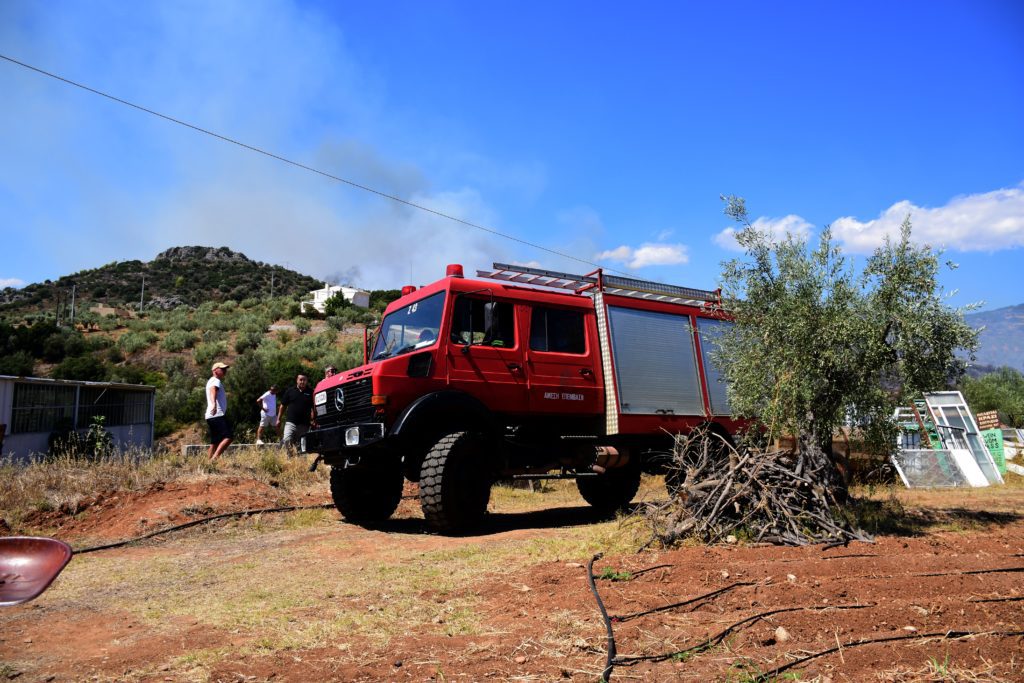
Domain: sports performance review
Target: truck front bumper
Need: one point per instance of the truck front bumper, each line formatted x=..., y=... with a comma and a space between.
x=341, y=438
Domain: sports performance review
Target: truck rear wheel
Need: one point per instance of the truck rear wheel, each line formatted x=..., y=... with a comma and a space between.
x=455, y=483
x=368, y=492
x=612, y=490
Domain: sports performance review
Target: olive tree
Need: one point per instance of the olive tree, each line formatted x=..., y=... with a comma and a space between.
x=1002, y=390
x=817, y=344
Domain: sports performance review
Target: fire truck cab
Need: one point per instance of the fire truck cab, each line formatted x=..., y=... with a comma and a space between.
x=521, y=373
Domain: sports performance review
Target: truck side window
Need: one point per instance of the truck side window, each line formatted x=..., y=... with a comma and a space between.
x=468, y=322
x=558, y=330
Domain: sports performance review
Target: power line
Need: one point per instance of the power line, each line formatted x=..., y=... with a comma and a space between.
x=304, y=167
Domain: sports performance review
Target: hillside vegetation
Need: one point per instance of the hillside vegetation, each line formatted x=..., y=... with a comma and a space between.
x=202, y=305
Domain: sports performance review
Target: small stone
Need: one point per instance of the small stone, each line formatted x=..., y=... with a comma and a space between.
x=725, y=574
x=27, y=640
x=437, y=620
x=574, y=565
x=398, y=663
x=524, y=588
x=920, y=610
x=731, y=540
x=909, y=628
x=782, y=635
x=791, y=578
x=520, y=659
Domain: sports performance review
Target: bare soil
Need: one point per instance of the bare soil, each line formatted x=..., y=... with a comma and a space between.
x=691, y=614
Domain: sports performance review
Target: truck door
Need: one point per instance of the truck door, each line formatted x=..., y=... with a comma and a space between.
x=484, y=355
x=561, y=363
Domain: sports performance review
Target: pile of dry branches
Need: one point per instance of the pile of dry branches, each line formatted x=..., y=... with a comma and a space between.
x=719, y=491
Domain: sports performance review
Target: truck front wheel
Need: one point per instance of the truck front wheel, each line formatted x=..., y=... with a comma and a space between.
x=368, y=492
x=612, y=490
x=455, y=482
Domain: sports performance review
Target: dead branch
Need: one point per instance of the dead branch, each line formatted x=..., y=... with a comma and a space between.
x=778, y=497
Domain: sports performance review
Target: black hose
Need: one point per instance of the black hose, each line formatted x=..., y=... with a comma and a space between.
x=197, y=522
x=609, y=662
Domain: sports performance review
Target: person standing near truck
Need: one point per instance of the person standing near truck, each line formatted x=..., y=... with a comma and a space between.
x=268, y=412
x=216, y=411
x=297, y=407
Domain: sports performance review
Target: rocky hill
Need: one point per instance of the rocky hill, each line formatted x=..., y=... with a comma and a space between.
x=180, y=275
x=1002, y=340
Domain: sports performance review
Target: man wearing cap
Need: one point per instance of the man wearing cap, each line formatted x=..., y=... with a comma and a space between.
x=216, y=411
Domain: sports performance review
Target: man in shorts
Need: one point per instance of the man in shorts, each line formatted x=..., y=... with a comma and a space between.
x=216, y=411
x=297, y=406
x=268, y=412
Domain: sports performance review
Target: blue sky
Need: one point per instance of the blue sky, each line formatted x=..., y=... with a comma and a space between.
x=601, y=130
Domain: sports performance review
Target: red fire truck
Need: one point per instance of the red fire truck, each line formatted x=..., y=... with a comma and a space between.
x=521, y=373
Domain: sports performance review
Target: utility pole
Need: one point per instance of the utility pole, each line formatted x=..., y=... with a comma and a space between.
x=271, y=284
x=73, y=304
x=142, y=296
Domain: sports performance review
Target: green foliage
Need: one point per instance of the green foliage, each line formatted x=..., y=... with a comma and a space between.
x=206, y=353
x=302, y=325
x=19, y=364
x=380, y=298
x=84, y=368
x=816, y=343
x=1002, y=390
x=610, y=574
x=246, y=382
x=180, y=400
x=247, y=340
x=178, y=340
x=132, y=342
x=336, y=303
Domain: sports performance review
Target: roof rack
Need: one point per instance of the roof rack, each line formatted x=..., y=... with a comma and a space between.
x=620, y=286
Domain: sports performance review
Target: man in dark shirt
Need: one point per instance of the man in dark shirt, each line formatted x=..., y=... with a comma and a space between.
x=297, y=406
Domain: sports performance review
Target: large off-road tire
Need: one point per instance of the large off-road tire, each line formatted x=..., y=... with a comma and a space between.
x=455, y=483
x=368, y=492
x=612, y=490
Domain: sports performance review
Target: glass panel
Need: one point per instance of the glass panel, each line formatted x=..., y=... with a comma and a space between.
x=412, y=327
x=557, y=330
x=710, y=331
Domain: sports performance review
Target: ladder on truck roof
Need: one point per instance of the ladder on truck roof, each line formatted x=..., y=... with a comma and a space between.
x=620, y=286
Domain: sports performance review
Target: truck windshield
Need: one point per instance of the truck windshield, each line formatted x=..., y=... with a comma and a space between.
x=410, y=328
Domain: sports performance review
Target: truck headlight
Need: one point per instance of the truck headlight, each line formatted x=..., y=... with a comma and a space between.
x=352, y=436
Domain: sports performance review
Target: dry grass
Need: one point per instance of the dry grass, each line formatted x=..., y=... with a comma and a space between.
x=46, y=484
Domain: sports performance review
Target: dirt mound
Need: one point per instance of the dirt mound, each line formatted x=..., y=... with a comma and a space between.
x=115, y=515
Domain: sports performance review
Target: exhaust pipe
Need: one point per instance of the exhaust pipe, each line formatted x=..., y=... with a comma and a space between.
x=607, y=458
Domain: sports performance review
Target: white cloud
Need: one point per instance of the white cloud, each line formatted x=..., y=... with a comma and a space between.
x=11, y=282
x=778, y=228
x=622, y=253
x=647, y=254
x=989, y=221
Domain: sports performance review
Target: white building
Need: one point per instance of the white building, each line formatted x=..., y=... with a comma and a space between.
x=33, y=408
x=320, y=296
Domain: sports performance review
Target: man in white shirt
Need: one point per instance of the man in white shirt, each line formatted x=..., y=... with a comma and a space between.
x=216, y=411
x=268, y=412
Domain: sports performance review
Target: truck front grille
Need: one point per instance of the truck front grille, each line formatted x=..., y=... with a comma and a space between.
x=353, y=406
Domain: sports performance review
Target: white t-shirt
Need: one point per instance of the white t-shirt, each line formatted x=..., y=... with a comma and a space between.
x=220, y=407
x=269, y=403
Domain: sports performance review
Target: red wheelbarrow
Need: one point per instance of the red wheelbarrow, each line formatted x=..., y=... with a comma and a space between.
x=28, y=566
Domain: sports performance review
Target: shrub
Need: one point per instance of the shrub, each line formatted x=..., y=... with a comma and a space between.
x=178, y=340
x=132, y=342
x=84, y=368
x=19, y=363
x=302, y=325
x=207, y=352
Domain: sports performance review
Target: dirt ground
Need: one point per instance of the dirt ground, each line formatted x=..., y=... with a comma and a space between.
x=306, y=597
